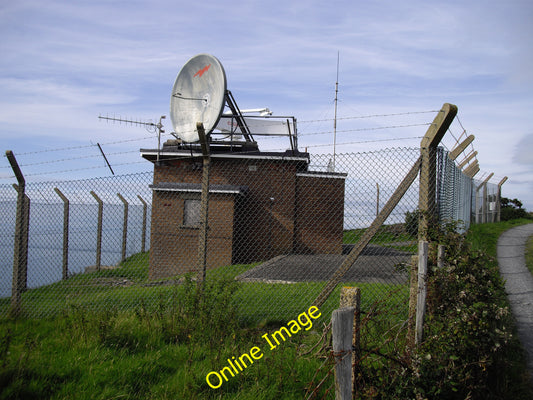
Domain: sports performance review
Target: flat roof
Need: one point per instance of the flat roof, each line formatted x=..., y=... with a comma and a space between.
x=320, y=174
x=169, y=154
x=197, y=188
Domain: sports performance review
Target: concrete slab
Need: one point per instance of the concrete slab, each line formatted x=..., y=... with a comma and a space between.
x=376, y=264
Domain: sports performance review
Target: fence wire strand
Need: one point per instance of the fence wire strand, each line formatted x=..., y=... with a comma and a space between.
x=278, y=227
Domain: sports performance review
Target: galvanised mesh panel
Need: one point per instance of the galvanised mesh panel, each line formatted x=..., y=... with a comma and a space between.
x=454, y=191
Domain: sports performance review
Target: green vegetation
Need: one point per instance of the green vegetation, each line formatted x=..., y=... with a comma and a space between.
x=470, y=348
x=484, y=237
x=395, y=236
x=115, y=334
x=529, y=254
x=512, y=209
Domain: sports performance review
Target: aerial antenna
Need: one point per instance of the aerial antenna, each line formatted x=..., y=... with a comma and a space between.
x=335, y=118
x=150, y=126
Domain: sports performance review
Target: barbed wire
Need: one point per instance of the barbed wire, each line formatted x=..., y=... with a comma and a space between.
x=369, y=116
x=73, y=158
x=301, y=135
x=79, y=147
x=364, y=129
x=366, y=141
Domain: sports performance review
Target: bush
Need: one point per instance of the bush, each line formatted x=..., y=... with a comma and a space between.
x=512, y=209
x=469, y=350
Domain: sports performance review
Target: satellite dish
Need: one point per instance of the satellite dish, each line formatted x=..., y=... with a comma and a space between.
x=198, y=95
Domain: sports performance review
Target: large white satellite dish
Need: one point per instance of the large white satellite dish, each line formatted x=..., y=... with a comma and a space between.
x=198, y=95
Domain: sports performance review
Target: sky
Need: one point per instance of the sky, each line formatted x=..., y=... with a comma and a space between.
x=64, y=63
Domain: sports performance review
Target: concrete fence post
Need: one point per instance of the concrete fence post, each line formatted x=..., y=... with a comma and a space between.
x=99, y=230
x=20, y=246
x=351, y=297
x=66, y=205
x=422, y=290
x=143, y=235
x=341, y=333
x=124, y=226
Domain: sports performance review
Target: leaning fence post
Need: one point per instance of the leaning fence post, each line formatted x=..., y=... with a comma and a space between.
x=20, y=249
x=143, y=237
x=124, y=226
x=99, y=230
x=65, y=231
x=351, y=297
x=341, y=333
x=422, y=290
x=428, y=178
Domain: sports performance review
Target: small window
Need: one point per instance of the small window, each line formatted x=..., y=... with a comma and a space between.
x=191, y=213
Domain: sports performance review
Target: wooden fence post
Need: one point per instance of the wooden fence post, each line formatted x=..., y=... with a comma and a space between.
x=124, y=226
x=422, y=290
x=66, y=206
x=143, y=237
x=351, y=297
x=341, y=333
x=99, y=230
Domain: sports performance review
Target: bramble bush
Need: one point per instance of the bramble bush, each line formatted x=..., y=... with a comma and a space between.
x=469, y=350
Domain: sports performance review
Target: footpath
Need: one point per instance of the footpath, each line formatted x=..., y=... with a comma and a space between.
x=519, y=283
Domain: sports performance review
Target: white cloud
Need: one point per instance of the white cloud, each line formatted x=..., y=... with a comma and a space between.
x=524, y=151
x=64, y=63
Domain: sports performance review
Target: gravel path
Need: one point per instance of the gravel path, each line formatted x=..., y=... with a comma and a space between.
x=519, y=283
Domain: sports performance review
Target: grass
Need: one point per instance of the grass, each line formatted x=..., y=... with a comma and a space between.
x=529, y=254
x=144, y=341
x=485, y=236
x=114, y=334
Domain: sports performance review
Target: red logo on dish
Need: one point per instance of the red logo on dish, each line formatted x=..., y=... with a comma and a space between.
x=201, y=72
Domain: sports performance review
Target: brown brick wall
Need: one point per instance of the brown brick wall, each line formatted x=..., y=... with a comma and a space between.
x=267, y=221
x=320, y=215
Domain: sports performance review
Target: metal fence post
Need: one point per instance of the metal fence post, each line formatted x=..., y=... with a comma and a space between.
x=143, y=235
x=65, y=231
x=124, y=226
x=99, y=230
x=20, y=247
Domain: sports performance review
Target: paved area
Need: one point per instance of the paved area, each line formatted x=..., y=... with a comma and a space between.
x=519, y=283
x=375, y=264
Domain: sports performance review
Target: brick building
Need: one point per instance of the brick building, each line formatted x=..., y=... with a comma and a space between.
x=261, y=205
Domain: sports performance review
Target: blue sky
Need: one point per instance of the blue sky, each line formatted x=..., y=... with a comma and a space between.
x=63, y=63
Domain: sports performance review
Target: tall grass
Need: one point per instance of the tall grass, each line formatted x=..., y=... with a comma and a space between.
x=159, y=341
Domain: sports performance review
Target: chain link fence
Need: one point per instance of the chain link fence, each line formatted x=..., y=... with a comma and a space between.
x=278, y=227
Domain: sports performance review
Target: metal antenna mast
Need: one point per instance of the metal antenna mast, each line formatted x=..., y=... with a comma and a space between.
x=150, y=126
x=335, y=119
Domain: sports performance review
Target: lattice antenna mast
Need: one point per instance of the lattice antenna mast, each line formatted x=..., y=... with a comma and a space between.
x=335, y=118
x=149, y=125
